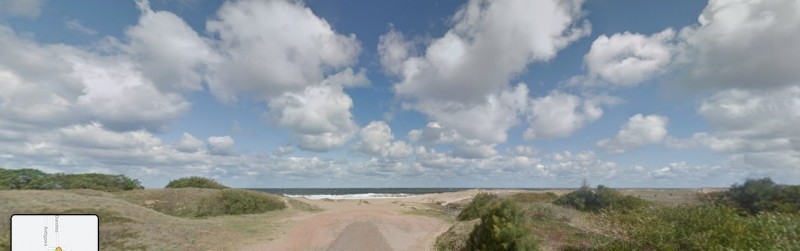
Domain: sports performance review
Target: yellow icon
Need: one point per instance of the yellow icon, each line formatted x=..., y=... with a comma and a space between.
x=58, y=249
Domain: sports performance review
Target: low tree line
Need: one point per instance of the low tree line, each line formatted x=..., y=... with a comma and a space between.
x=35, y=179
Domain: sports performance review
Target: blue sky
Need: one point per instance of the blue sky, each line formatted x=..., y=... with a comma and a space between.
x=506, y=93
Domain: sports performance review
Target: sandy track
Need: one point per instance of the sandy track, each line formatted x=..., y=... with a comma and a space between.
x=380, y=224
x=366, y=228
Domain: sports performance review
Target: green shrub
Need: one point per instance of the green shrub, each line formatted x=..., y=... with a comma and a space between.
x=195, y=181
x=35, y=179
x=19, y=178
x=534, y=197
x=703, y=227
x=602, y=198
x=760, y=195
x=479, y=204
x=235, y=201
x=503, y=227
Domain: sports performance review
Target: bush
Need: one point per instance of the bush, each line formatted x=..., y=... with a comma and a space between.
x=760, y=195
x=35, y=179
x=195, y=181
x=602, y=198
x=534, y=197
x=478, y=205
x=503, y=227
x=20, y=178
x=235, y=201
x=703, y=227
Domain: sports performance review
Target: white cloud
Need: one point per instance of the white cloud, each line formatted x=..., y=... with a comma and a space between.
x=521, y=150
x=628, y=59
x=756, y=113
x=220, y=145
x=756, y=128
x=576, y=166
x=497, y=114
x=746, y=121
x=299, y=72
x=169, y=52
x=394, y=49
x=744, y=44
x=273, y=47
x=490, y=43
x=96, y=136
x=319, y=116
x=24, y=8
x=77, y=87
x=348, y=78
x=560, y=114
x=377, y=139
x=188, y=143
x=638, y=131
x=434, y=134
x=465, y=74
x=448, y=165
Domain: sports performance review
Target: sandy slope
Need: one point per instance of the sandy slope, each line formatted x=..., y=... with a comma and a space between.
x=379, y=224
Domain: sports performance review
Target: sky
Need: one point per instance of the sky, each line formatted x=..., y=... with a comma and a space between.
x=357, y=93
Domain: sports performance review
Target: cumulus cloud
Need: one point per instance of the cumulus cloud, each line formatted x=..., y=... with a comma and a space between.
x=575, y=166
x=77, y=87
x=560, y=114
x=756, y=113
x=748, y=121
x=497, y=114
x=638, y=131
x=628, y=59
x=448, y=165
x=300, y=73
x=24, y=8
x=377, y=139
x=394, y=49
x=756, y=128
x=465, y=73
x=743, y=44
x=521, y=150
x=489, y=43
x=220, y=145
x=170, y=52
x=257, y=62
x=434, y=133
x=320, y=116
x=188, y=143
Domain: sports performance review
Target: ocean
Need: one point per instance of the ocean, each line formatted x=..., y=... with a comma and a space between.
x=358, y=193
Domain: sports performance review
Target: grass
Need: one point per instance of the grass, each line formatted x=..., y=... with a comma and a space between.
x=646, y=219
x=434, y=210
x=201, y=202
x=195, y=182
x=557, y=227
x=127, y=224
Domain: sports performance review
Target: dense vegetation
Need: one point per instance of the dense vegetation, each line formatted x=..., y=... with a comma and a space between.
x=35, y=179
x=503, y=227
x=235, y=201
x=755, y=215
x=602, y=198
x=479, y=204
x=196, y=182
x=702, y=227
x=763, y=195
x=203, y=202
